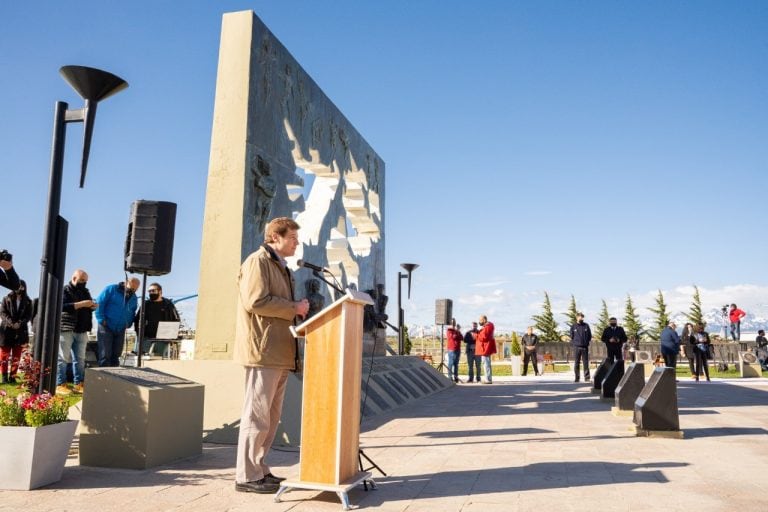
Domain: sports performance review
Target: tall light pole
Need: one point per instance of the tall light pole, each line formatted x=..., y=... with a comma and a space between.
x=93, y=85
x=409, y=268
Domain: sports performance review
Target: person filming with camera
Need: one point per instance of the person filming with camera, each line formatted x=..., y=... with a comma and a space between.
x=8, y=276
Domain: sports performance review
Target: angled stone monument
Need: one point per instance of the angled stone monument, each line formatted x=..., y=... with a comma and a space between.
x=281, y=148
x=629, y=388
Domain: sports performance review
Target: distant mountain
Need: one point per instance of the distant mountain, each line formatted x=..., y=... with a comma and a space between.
x=714, y=319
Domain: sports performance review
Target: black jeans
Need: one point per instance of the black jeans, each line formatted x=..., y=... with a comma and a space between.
x=530, y=356
x=670, y=360
x=614, y=352
x=701, y=362
x=581, y=356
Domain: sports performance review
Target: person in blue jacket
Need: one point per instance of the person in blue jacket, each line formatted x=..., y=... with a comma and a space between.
x=115, y=312
x=670, y=345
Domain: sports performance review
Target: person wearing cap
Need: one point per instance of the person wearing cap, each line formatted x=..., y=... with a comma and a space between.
x=581, y=336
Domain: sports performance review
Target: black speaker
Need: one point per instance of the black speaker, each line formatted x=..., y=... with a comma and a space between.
x=443, y=311
x=656, y=407
x=149, y=244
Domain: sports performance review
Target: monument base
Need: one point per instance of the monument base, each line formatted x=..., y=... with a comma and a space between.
x=664, y=434
x=622, y=412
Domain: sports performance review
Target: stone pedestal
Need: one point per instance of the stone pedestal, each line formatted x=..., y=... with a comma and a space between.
x=656, y=407
x=629, y=389
x=137, y=418
x=611, y=381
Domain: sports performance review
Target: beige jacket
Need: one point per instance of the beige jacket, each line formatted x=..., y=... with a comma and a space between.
x=265, y=310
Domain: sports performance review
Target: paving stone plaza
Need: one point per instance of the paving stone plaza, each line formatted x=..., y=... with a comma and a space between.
x=520, y=444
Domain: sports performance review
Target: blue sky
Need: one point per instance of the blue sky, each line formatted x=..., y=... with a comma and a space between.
x=587, y=148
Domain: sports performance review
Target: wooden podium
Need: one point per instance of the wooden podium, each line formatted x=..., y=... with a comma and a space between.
x=330, y=416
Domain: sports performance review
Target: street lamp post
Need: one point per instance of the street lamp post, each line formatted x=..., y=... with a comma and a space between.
x=93, y=85
x=409, y=268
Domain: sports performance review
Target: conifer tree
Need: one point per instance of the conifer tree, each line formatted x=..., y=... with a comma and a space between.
x=545, y=322
x=572, y=311
x=602, y=321
x=632, y=324
x=661, y=318
x=695, y=315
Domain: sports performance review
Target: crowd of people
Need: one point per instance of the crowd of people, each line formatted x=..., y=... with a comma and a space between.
x=693, y=343
x=115, y=309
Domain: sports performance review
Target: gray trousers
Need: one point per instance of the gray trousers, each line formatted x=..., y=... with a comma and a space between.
x=262, y=406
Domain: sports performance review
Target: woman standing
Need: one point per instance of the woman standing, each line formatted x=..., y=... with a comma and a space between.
x=701, y=351
x=688, y=341
x=15, y=313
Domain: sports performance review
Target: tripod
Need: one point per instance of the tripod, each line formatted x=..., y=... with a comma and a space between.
x=360, y=456
x=442, y=367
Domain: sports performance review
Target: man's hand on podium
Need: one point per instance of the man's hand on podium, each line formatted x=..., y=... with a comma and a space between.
x=302, y=307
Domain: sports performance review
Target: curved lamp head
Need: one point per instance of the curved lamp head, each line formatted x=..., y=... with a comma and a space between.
x=409, y=267
x=93, y=85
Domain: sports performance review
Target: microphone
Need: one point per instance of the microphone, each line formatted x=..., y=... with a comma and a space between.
x=312, y=266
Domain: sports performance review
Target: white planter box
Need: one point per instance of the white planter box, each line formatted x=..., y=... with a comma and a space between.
x=517, y=362
x=35, y=456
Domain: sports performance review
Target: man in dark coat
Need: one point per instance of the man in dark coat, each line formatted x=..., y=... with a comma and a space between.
x=76, y=323
x=15, y=312
x=581, y=335
x=614, y=338
x=158, y=309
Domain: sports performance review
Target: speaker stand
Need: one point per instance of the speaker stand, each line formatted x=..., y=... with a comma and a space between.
x=442, y=367
x=142, y=313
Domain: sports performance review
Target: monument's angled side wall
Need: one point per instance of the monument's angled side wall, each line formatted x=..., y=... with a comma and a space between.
x=280, y=147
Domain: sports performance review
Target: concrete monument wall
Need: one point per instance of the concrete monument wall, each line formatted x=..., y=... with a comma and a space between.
x=280, y=147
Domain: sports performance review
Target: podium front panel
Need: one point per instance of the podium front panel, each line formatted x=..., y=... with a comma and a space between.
x=320, y=407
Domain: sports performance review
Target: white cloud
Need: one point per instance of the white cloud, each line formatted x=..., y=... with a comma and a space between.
x=537, y=273
x=489, y=284
x=477, y=300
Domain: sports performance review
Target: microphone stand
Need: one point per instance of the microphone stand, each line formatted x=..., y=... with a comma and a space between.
x=326, y=281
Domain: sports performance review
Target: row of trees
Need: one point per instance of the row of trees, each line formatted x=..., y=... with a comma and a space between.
x=547, y=326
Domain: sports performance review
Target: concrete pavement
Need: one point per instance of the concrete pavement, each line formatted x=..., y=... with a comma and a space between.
x=535, y=443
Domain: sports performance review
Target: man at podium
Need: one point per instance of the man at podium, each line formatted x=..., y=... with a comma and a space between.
x=265, y=346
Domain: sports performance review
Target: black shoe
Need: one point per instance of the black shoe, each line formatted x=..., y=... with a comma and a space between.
x=586, y=379
x=272, y=479
x=11, y=380
x=262, y=486
x=576, y=379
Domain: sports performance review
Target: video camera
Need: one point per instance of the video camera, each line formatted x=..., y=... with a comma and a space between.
x=6, y=256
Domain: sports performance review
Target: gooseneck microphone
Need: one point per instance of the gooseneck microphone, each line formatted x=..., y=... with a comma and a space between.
x=312, y=266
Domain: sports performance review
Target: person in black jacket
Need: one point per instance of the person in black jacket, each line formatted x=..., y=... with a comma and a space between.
x=614, y=338
x=8, y=276
x=581, y=335
x=76, y=323
x=530, y=341
x=158, y=309
x=701, y=351
x=15, y=312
